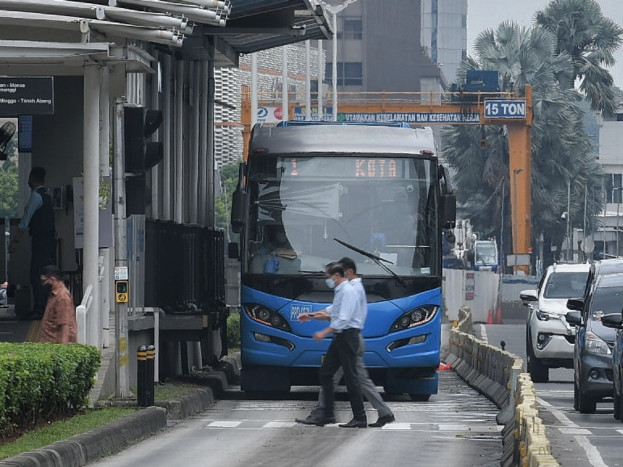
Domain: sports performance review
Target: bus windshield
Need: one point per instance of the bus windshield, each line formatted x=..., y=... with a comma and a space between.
x=385, y=205
x=486, y=254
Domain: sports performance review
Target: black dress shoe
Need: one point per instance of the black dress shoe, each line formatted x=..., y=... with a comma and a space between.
x=311, y=420
x=324, y=421
x=354, y=423
x=383, y=420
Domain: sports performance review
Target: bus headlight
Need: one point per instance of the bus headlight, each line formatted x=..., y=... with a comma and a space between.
x=415, y=317
x=266, y=316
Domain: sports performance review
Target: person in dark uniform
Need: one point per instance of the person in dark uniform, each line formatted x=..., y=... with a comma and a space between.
x=39, y=219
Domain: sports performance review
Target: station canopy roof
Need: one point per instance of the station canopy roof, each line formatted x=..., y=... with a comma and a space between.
x=41, y=31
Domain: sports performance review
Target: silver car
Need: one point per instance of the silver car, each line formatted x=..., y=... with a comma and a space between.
x=549, y=338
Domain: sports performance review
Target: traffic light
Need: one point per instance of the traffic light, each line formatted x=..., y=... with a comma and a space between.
x=122, y=291
x=138, y=126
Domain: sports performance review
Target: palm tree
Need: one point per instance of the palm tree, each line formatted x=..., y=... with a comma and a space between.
x=590, y=39
x=560, y=149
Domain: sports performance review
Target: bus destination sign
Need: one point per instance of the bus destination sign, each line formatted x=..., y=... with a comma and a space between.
x=348, y=167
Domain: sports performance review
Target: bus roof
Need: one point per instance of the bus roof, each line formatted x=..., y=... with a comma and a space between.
x=330, y=137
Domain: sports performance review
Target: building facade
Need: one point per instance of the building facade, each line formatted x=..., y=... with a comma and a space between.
x=444, y=35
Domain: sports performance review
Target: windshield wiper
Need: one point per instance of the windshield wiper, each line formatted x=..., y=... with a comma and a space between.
x=374, y=258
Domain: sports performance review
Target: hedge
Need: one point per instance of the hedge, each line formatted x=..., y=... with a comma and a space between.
x=38, y=381
x=233, y=330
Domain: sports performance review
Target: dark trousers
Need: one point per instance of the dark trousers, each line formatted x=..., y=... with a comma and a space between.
x=43, y=253
x=342, y=352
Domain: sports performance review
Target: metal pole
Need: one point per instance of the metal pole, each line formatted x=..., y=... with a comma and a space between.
x=104, y=166
x=121, y=259
x=603, y=229
x=91, y=182
x=569, y=240
x=308, y=110
x=253, y=89
x=502, y=229
x=515, y=214
x=178, y=187
x=334, y=66
x=320, y=81
x=618, y=206
x=285, y=106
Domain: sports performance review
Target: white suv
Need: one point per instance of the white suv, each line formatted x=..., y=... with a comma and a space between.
x=549, y=338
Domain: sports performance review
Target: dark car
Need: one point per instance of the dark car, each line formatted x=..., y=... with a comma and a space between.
x=592, y=351
x=614, y=321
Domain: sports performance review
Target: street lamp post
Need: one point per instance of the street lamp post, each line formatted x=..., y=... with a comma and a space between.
x=569, y=233
x=334, y=10
x=618, y=205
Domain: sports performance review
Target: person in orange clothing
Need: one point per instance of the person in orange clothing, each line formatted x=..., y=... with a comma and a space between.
x=59, y=318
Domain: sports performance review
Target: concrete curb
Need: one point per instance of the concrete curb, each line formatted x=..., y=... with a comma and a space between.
x=81, y=449
x=498, y=375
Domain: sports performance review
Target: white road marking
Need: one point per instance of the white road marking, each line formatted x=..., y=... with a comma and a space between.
x=562, y=418
x=474, y=428
x=397, y=426
x=591, y=452
x=483, y=334
x=223, y=424
x=574, y=431
x=279, y=424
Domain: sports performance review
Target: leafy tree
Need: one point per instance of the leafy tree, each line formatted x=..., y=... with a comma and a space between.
x=8, y=190
x=590, y=39
x=9, y=181
x=560, y=148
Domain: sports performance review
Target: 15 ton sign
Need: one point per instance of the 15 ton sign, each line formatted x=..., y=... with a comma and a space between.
x=505, y=109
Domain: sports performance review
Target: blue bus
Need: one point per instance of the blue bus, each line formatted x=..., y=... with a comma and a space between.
x=310, y=193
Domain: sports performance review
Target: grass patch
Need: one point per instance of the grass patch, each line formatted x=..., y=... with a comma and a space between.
x=62, y=429
x=173, y=390
x=88, y=419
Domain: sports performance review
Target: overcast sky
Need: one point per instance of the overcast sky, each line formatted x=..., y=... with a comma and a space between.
x=488, y=14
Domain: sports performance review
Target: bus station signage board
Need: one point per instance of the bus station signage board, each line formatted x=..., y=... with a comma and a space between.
x=33, y=95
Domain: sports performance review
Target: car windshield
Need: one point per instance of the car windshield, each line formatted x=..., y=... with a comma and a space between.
x=606, y=300
x=565, y=285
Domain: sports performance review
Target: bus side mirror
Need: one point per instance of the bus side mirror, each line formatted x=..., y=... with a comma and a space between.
x=447, y=212
x=239, y=209
x=239, y=203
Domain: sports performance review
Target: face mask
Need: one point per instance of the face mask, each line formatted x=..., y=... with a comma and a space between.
x=330, y=283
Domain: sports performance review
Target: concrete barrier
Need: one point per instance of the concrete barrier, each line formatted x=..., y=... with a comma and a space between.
x=498, y=375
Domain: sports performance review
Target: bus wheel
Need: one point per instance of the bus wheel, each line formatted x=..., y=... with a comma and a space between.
x=419, y=397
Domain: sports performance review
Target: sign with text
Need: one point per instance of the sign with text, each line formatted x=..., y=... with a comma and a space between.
x=392, y=117
x=26, y=96
x=497, y=108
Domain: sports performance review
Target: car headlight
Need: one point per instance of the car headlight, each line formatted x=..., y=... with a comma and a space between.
x=546, y=316
x=415, y=317
x=596, y=345
x=266, y=316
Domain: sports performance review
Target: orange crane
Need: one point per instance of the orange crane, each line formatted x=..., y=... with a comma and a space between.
x=447, y=108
